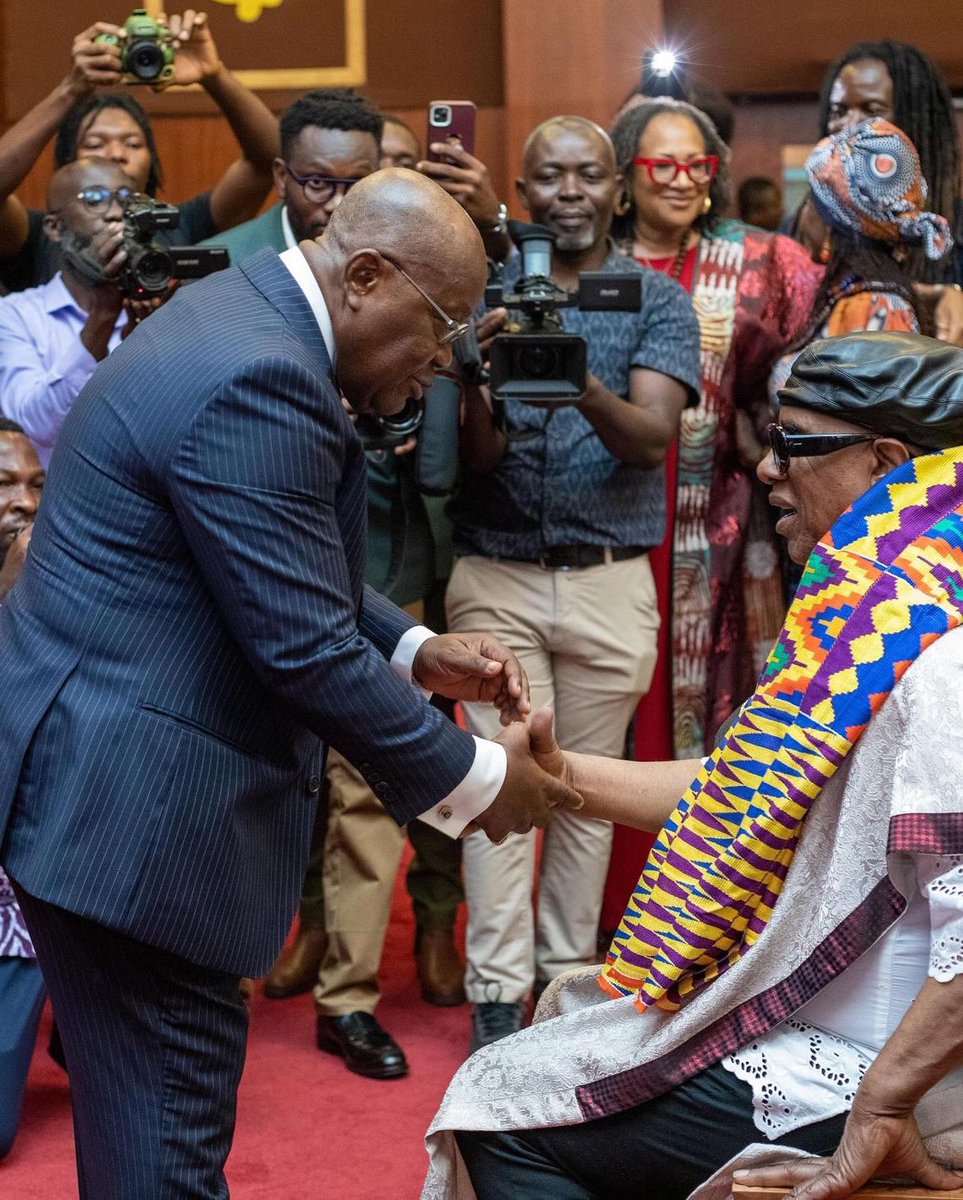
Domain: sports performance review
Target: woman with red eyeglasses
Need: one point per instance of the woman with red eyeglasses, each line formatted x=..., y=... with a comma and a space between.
x=719, y=571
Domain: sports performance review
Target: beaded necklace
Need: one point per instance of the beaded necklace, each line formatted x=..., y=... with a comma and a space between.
x=675, y=271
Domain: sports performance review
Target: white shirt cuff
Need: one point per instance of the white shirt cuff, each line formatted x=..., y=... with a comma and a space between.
x=408, y=646
x=475, y=792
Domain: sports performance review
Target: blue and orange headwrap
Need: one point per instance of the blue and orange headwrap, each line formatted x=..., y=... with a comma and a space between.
x=866, y=183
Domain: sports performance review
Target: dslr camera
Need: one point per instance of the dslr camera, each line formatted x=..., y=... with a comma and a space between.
x=151, y=267
x=147, y=52
x=540, y=362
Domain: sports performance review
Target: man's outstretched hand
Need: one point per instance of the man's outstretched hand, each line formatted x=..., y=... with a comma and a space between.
x=529, y=796
x=474, y=666
x=875, y=1145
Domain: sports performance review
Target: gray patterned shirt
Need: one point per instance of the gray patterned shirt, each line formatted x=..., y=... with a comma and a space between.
x=561, y=486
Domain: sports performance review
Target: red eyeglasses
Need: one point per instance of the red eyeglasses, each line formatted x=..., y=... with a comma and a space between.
x=664, y=170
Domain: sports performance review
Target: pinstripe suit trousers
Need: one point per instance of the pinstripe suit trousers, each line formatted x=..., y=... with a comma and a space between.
x=154, y=1047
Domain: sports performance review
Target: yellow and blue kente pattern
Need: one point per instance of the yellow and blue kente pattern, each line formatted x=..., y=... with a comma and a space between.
x=884, y=583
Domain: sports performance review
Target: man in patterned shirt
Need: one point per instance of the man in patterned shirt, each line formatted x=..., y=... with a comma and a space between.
x=21, y=985
x=552, y=528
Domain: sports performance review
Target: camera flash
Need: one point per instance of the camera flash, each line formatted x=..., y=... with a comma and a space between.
x=663, y=63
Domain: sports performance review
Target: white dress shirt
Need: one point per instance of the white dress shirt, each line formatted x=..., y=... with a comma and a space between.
x=483, y=782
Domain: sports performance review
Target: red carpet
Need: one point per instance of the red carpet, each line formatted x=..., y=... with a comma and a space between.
x=307, y=1128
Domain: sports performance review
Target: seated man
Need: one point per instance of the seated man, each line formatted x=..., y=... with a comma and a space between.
x=790, y=955
x=53, y=336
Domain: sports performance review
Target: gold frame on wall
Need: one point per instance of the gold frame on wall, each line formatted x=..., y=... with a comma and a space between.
x=353, y=73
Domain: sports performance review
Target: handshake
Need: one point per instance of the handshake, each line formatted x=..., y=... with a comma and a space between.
x=476, y=666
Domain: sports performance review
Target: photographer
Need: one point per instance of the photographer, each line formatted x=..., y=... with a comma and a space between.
x=558, y=508
x=92, y=124
x=52, y=337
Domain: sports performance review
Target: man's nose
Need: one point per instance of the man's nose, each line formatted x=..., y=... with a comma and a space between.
x=572, y=184
x=767, y=471
x=443, y=356
x=335, y=198
x=25, y=501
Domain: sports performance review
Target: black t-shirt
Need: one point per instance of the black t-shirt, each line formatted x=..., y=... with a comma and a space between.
x=39, y=259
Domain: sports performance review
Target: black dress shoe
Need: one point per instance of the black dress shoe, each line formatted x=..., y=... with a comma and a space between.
x=366, y=1048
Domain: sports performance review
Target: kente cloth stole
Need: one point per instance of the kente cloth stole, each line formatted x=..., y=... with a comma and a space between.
x=885, y=582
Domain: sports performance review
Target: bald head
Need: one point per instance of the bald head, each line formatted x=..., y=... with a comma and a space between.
x=82, y=172
x=549, y=130
x=401, y=266
x=409, y=216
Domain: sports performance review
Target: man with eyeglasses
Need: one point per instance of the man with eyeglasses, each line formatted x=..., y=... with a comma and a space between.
x=52, y=337
x=783, y=1002
x=558, y=508
x=330, y=138
x=191, y=629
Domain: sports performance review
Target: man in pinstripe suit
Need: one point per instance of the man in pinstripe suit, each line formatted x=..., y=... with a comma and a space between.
x=190, y=628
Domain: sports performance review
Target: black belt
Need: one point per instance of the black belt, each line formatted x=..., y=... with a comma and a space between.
x=574, y=558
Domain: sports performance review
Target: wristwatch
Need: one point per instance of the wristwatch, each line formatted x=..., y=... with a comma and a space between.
x=501, y=225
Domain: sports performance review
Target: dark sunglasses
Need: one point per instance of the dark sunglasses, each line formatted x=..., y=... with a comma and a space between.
x=787, y=446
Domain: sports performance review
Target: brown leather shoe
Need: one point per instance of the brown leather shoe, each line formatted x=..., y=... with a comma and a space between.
x=441, y=972
x=297, y=966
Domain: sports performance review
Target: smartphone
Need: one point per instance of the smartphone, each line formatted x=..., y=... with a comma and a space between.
x=451, y=119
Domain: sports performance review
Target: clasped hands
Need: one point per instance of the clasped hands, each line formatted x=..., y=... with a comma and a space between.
x=476, y=666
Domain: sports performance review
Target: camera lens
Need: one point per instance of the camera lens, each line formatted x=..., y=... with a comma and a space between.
x=145, y=60
x=441, y=115
x=405, y=422
x=537, y=362
x=151, y=270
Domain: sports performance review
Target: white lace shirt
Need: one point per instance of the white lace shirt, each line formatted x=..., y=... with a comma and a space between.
x=809, y=1067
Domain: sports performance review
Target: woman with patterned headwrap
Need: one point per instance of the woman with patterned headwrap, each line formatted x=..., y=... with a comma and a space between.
x=864, y=216
x=788, y=975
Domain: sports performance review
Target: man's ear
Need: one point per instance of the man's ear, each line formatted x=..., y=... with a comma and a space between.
x=363, y=272
x=53, y=226
x=890, y=453
x=280, y=178
x=522, y=194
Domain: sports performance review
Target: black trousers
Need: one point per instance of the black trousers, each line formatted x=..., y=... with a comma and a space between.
x=661, y=1150
x=154, y=1047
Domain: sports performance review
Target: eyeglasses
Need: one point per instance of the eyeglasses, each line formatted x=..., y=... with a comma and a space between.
x=454, y=329
x=319, y=188
x=786, y=446
x=98, y=199
x=664, y=170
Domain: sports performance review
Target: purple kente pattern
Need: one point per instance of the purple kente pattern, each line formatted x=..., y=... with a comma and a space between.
x=750, y=1020
x=14, y=939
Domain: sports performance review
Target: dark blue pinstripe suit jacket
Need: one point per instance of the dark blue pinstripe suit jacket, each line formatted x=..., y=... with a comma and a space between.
x=190, y=622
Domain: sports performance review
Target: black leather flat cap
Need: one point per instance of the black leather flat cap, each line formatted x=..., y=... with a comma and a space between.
x=899, y=385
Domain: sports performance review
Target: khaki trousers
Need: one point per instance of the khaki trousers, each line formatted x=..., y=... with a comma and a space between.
x=362, y=852
x=587, y=639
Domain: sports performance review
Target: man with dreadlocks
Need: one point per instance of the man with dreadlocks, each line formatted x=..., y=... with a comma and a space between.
x=91, y=124
x=788, y=970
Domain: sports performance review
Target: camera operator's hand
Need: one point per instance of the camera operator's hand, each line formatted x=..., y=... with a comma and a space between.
x=488, y=327
x=195, y=51
x=474, y=666
x=528, y=797
x=95, y=64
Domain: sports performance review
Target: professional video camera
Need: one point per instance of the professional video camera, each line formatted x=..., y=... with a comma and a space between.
x=150, y=267
x=147, y=52
x=541, y=363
